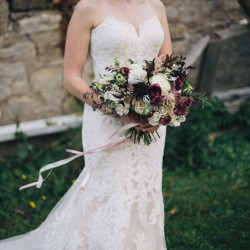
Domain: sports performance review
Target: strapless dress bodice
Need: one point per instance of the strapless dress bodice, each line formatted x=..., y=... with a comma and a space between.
x=115, y=39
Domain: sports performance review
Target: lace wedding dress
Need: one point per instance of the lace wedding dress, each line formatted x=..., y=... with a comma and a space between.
x=121, y=208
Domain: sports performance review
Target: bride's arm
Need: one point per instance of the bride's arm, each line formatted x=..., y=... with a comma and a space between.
x=76, y=52
x=167, y=44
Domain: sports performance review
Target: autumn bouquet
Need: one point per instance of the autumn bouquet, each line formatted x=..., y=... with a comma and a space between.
x=155, y=92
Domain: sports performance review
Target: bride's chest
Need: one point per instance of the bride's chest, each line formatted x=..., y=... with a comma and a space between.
x=117, y=37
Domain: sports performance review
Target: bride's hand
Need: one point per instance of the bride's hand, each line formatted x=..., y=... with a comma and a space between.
x=144, y=127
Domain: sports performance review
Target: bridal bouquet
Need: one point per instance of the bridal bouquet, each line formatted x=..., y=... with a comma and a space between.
x=155, y=92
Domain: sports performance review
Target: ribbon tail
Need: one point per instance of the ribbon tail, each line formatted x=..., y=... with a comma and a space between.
x=123, y=128
x=53, y=165
x=50, y=166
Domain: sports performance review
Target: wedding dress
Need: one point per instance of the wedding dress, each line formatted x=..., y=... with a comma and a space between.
x=121, y=207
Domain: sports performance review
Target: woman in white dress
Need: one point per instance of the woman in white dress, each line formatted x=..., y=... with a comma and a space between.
x=121, y=207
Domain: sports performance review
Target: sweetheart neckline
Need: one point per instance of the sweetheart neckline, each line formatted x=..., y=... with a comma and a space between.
x=136, y=29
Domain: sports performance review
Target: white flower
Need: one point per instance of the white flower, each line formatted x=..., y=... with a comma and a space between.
x=137, y=75
x=178, y=121
x=154, y=120
x=121, y=110
x=142, y=108
x=162, y=80
x=164, y=110
x=168, y=104
x=175, y=66
x=168, y=71
x=146, y=99
x=105, y=80
x=111, y=95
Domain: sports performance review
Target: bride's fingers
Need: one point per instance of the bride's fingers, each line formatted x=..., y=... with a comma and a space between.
x=151, y=129
x=145, y=125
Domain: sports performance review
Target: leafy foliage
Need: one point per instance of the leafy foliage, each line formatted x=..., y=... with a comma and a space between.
x=192, y=146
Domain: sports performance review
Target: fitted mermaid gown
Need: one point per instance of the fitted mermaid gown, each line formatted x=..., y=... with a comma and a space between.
x=121, y=207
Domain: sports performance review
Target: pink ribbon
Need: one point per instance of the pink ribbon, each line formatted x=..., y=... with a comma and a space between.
x=77, y=154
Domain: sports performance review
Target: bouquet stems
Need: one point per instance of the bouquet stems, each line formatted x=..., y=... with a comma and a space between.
x=137, y=136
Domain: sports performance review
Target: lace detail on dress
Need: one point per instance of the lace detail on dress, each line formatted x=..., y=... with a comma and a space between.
x=121, y=207
x=118, y=39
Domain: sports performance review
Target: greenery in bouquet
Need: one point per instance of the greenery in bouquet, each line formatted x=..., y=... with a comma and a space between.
x=153, y=92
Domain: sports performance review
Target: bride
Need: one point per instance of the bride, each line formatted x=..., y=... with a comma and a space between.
x=121, y=207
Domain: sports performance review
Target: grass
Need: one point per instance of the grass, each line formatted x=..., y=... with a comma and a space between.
x=206, y=177
x=205, y=211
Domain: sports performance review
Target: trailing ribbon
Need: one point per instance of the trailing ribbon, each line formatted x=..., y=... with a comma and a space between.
x=77, y=154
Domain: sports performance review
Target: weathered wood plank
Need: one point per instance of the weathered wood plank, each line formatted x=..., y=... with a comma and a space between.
x=224, y=62
x=40, y=127
x=197, y=50
x=208, y=67
x=246, y=6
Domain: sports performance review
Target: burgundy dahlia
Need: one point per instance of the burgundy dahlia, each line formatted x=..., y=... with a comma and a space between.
x=188, y=101
x=157, y=100
x=165, y=121
x=178, y=83
x=154, y=91
x=180, y=109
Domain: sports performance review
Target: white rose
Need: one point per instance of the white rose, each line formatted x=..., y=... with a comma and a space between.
x=163, y=110
x=168, y=104
x=154, y=120
x=178, y=121
x=110, y=95
x=121, y=110
x=142, y=108
x=137, y=75
x=162, y=80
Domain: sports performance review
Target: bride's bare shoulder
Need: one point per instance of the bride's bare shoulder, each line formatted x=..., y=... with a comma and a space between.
x=159, y=8
x=86, y=5
x=86, y=10
x=158, y=5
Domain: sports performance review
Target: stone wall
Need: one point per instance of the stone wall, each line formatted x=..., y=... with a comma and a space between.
x=31, y=58
x=191, y=19
x=30, y=64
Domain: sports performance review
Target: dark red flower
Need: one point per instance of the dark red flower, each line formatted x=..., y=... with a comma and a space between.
x=154, y=91
x=178, y=83
x=188, y=101
x=165, y=121
x=157, y=100
x=125, y=71
x=180, y=109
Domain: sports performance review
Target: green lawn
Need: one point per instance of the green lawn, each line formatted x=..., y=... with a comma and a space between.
x=206, y=177
x=205, y=212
